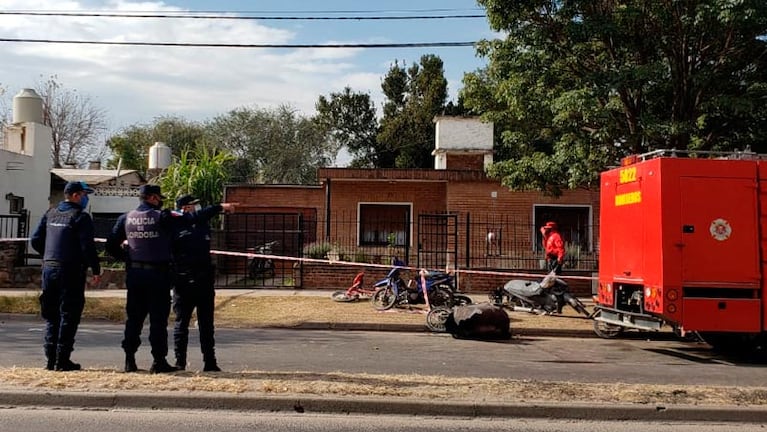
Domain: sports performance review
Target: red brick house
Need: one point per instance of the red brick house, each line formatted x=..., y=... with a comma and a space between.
x=451, y=216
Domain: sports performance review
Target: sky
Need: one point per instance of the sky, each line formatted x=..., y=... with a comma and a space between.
x=136, y=84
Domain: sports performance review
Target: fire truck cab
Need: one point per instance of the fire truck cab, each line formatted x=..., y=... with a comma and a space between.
x=682, y=243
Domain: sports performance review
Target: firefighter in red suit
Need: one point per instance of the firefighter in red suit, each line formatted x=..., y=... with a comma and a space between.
x=553, y=246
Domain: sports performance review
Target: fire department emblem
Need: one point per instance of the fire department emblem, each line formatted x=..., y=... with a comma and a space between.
x=720, y=229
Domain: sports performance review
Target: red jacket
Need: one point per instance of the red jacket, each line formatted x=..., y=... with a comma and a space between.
x=554, y=246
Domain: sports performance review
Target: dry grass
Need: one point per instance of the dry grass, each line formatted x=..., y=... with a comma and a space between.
x=399, y=386
x=292, y=311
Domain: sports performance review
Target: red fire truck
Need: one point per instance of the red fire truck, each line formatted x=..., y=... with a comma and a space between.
x=683, y=243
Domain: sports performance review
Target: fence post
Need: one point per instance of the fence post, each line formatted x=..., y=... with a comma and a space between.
x=22, y=230
x=468, y=240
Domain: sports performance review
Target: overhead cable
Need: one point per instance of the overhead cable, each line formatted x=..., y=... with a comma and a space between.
x=238, y=17
x=226, y=45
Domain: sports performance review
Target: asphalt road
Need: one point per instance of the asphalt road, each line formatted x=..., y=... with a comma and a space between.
x=557, y=359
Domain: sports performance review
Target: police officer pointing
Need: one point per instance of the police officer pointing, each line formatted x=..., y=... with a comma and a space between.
x=147, y=231
x=194, y=280
x=65, y=239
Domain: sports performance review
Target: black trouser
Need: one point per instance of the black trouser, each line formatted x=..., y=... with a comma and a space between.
x=61, y=305
x=554, y=264
x=193, y=288
x=148, y=293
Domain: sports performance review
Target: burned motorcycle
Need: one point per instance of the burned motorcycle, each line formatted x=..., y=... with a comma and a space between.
x=546, y=297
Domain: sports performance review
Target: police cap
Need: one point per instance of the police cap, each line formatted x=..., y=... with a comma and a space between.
x=150, y=189
x=77, y=186
x=186, y=200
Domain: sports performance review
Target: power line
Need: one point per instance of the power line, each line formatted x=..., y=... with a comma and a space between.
x=382, y=11
x=239, y=17
x=224, y=45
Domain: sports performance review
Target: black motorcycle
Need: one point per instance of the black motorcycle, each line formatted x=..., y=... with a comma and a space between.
x=261, y=266
x=546, y=297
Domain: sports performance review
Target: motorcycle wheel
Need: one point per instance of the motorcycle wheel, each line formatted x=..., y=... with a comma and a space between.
x=269, y=270
x=607, y=331
x=461, y=300
x=436, y=319
x=577, y=305
x=383, y=298
x=340, y=296
x=441, y=296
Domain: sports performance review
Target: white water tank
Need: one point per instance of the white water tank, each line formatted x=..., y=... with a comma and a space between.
x=159, y=156
x=27, y=107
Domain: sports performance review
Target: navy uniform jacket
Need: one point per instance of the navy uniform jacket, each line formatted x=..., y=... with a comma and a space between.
x=156, y=227
x=65, y=234
x=191, y=239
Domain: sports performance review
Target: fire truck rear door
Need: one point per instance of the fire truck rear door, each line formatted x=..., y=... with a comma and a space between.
x=719, y=235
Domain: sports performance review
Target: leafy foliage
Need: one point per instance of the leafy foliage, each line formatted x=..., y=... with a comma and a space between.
x=350, y=120
x=202, y=173
x=414, y=97
x=576, y=85
x=133, y=143
x=276, y=146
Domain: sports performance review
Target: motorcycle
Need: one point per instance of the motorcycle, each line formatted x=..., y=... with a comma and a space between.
x=393, y=291
x=261, y=267
x=546, y=297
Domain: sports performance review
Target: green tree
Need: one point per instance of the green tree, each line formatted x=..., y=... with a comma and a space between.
x=132, y=144
x=350, y=120
x=202, y=173
x=277, y=146
x=414, y=96
x=576, y=85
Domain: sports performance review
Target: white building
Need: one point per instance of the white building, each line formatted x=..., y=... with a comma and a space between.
x=25, y=160
x=28, y=183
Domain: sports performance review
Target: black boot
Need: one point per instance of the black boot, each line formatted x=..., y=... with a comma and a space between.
x=162, y=366
x=209, y=361
x=211, y=366
x=50, y=355
x=180, y=360
x=63, y=363
x=130, y=363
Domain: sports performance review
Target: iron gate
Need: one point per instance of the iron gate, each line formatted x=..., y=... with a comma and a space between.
x=16, y=226
x=437, y=240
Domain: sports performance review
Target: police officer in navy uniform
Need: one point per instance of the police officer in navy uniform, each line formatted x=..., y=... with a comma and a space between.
x=64, y=238
x=147, y=230
x=194, y=280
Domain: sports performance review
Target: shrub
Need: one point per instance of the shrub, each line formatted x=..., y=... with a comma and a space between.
x=318, y=250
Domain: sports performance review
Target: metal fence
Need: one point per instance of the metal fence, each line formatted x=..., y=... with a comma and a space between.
x=16, y=226
x=450, y=240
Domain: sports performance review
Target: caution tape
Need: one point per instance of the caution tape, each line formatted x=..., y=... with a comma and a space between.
x=251, y=255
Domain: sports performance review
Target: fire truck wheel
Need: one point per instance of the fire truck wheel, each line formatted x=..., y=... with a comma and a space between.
x=607, y=331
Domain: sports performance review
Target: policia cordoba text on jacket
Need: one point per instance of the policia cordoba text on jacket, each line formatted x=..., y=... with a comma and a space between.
x=147, y=276
x=64, y=238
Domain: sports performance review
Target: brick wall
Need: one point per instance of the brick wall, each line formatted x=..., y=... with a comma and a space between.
x=320, y=276
x=463, y=161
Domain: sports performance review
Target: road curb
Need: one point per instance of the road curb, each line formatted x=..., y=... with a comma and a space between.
x=386, y=406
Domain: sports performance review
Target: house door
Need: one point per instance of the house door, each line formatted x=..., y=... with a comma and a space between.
x=437, y=240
